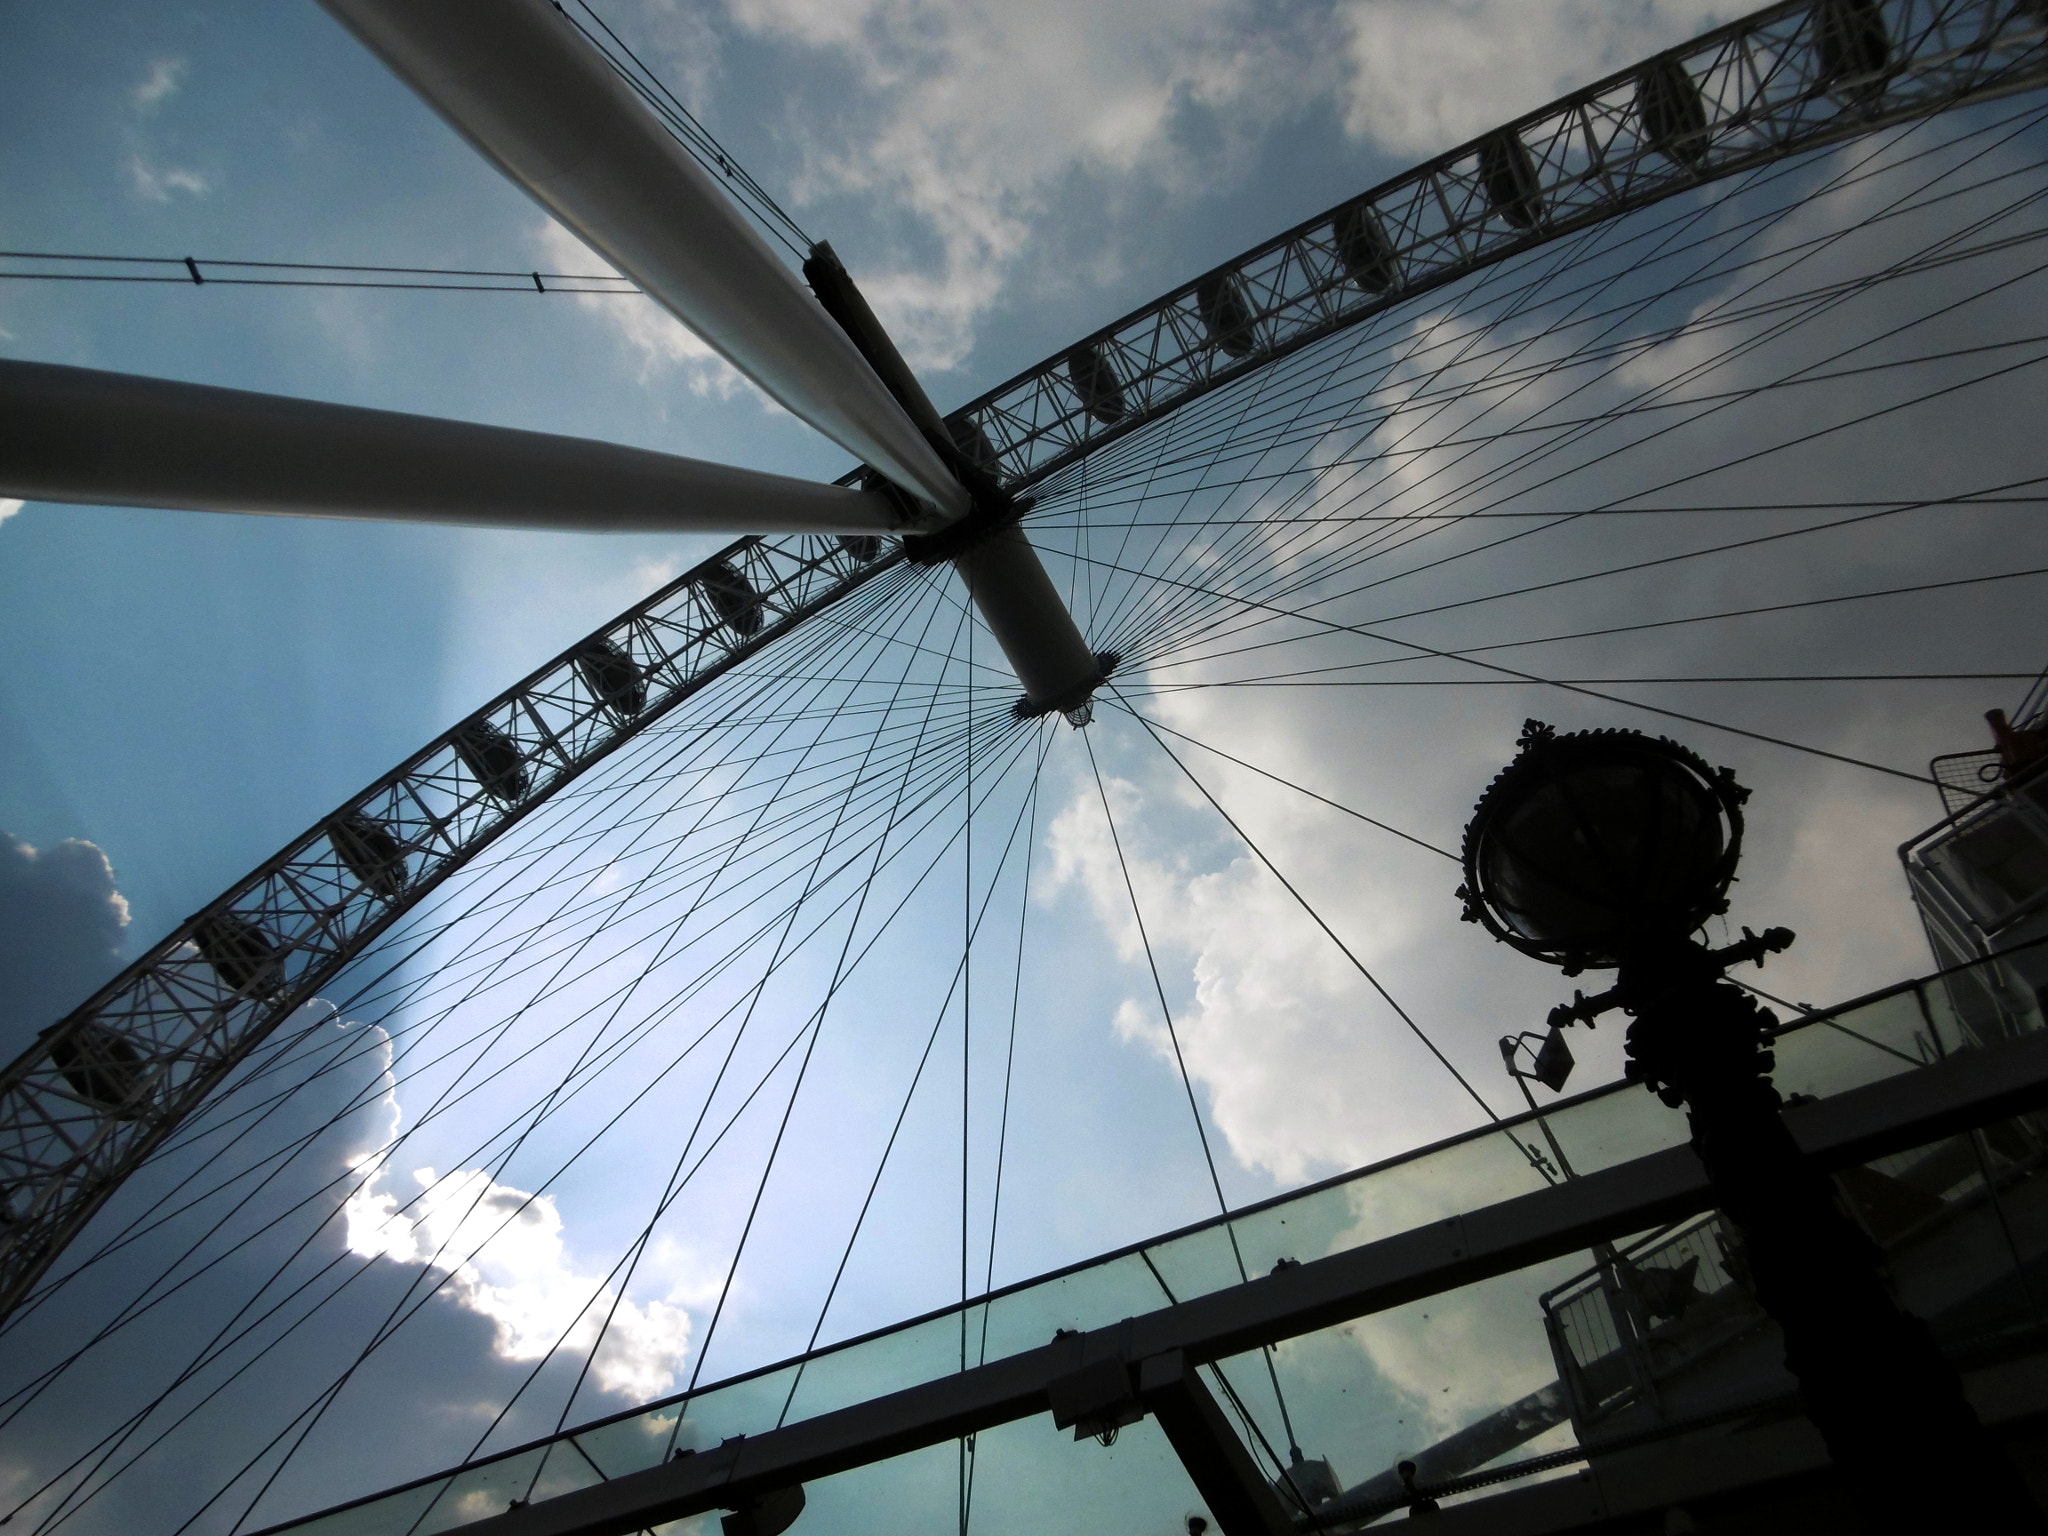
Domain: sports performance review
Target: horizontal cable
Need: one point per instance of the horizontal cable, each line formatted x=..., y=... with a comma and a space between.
x=197, y=272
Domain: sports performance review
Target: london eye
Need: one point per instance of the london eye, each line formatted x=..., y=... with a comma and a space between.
x=1045, y=834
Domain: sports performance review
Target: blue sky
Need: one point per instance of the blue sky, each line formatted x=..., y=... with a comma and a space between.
x=187, y=692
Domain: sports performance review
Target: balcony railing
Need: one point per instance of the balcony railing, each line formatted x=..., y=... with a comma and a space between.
x=1980, y=879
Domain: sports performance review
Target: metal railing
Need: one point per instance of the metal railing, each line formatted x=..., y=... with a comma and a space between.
x=1646, y=1312
x=1980, y=879
x=1966, y=777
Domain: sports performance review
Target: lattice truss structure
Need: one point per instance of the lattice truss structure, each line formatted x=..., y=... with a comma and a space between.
x=1784, y=81
x=108, y=1085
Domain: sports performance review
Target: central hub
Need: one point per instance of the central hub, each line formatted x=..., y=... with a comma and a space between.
x=1003, y=573
x=1022, y=608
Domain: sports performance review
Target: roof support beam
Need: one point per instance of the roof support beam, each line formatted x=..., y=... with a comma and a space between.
x=118, y=439
x=1216, y=1460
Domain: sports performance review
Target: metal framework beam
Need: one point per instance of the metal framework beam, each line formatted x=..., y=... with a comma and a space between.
x=1789, y=79
x=547, y=109
x=117, y=439
x=1217, y=1462
x=83, y=1107
x=1893, y=1114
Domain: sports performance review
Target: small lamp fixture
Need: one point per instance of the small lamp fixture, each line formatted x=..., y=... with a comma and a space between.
x=1550, y=1059
x=1591, y=845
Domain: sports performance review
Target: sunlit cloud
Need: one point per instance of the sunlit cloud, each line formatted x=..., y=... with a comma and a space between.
x=661, y=342
x=158, y=184
x=1001, y=138
x=503, y=1253
x=153, y=181
x=1423, y=75
x=62, y=923
x=1303, y=1066
x=159, y=84
x=1282, y=1033
x=970, y=124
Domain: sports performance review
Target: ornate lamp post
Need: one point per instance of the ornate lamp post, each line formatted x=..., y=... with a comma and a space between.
x=1609, y=850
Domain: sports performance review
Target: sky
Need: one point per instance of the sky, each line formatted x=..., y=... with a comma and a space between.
x=184, y=693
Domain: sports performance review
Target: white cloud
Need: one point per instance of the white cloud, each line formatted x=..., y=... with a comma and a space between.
x=159, y=85
x=1305, y=1070
x=967, y=119
x=1458, y=1356
x=349, y=320
x=1296, y=1053
x=662, y=341
x=1426, y=74
x=61, y=926
x=503, y=1252
x=156, y=184
x=998, y=140
x=989, y=143
x=152, y=180
x=9, y=505
x=689, y=49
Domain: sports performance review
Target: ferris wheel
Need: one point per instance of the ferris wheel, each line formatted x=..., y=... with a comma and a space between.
x=736, y=909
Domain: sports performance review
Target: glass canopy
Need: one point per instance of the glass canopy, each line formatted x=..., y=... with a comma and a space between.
x=1555, y=1328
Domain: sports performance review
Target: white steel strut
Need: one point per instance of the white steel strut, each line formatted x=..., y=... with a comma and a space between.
x=114, y=439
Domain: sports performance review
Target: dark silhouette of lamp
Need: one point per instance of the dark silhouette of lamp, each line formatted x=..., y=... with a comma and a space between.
x=1590, y=846
x=1610, y=849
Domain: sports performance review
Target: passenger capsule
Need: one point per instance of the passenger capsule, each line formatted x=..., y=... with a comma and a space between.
x=861, y=548
x=1510, y=176
x=365, y=845
x=1365, y=250
x=241, y=954
x=613, y=676
x=493, y=760
x=733, y=597
x=1094, y=379
x=1220, y=300
x=102, y=1068
x=973, y=442
x=1851, y=44
x=1671, y=113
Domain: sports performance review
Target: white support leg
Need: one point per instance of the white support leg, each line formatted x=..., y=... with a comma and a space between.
x=117, y=439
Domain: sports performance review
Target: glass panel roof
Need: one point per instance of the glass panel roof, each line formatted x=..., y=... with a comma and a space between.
x=1824, y=1053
